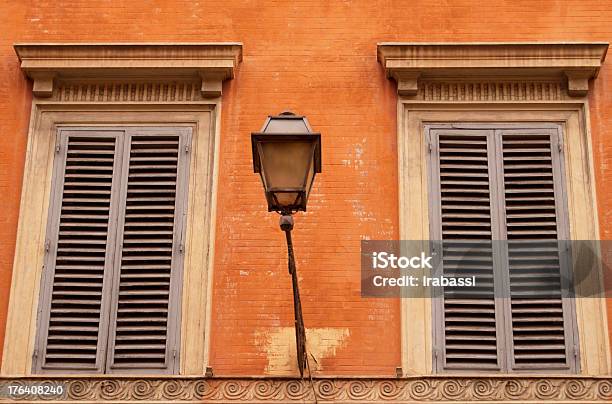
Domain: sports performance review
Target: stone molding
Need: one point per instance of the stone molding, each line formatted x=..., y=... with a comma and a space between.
x=491, y=91
x=208, y=63
x=127, y=91
x=574, y=64
x=398, y=390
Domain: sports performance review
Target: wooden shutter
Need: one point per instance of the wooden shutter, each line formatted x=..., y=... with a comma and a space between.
x=463, y=218
x=110, y=293
x=502, y=184
x=145, y=312
x=542, y=331
x=79, y=252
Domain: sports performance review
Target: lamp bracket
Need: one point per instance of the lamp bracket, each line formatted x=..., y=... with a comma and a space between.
x=286, y=222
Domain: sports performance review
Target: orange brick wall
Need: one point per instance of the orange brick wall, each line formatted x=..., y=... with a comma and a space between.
x=317, y=58
x=15, y=95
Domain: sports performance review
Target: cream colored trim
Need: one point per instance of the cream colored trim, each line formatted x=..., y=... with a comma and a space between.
x=211, y=63
x=211, y=256
x=414, y=225
x=29, y=254
x=574, y=63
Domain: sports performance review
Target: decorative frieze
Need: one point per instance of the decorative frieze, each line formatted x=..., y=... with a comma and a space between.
x=491, y=91
x=127, y=91
x=403, y=390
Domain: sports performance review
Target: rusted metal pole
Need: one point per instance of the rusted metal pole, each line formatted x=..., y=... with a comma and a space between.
x=286, y=224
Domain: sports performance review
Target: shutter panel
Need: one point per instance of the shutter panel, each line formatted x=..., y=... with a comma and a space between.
x=462, y=219
x=541, y=326
x=145, y=315
x=79, y=252
x=489, y=184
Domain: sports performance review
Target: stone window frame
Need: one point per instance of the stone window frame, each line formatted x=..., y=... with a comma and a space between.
x=121, y=84
x=493, y=83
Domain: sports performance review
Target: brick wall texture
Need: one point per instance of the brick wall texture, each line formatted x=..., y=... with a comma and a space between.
x=317, y=58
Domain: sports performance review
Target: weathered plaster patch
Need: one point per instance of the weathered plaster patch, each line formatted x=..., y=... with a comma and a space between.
x=279, y=345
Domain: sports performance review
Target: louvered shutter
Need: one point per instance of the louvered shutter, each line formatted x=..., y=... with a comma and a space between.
x=79, y=252
x=498, y=184
x=110, y=293
x=462, y=219
x=542, y=329
x=145, y=310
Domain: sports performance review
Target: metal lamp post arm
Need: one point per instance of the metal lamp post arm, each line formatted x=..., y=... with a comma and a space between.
x=286, y=224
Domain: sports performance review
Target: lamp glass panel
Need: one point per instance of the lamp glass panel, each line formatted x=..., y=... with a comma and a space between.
x=286, y=198
x=286, y=126
x=310, y=178
x=285, y=164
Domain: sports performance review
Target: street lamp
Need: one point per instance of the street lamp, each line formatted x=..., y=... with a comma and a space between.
x=287, y=156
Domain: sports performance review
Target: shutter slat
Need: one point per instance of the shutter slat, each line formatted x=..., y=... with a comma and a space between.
x=81, y=151
x=147, y=347
x=83, y=159
x=78, y=347
x=139, y=338
x=71, y=338
x=469, y=338
x=539, y=356
x=137, y=321
x=144, y=310
x=475, y=356
x=135, y=168
x=147, y=175
x=80, y=320
x=72, y=357
x=158, y=151
x=78, y=302
x=75, y=311
x=144, y=302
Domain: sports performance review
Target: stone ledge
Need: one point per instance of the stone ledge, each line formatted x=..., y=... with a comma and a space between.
x=575, y=63
x=345, y=389
x=210, y=63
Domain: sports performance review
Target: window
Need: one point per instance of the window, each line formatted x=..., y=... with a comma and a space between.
x=494, y=85
x=117, y=97
x=114, y=250
x=501, y=183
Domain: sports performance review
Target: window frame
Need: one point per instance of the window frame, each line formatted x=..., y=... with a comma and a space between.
x=572, y=116
x=203, y=117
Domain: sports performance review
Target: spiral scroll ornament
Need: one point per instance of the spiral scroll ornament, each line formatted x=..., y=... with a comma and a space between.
x=172, y=389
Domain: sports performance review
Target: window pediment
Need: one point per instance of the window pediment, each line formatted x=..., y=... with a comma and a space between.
x=209, y=63
x=573, y=64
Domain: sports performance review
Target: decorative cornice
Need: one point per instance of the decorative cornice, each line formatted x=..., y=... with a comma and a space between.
x=209, y=63
x=409, y=63
x=255, y=390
